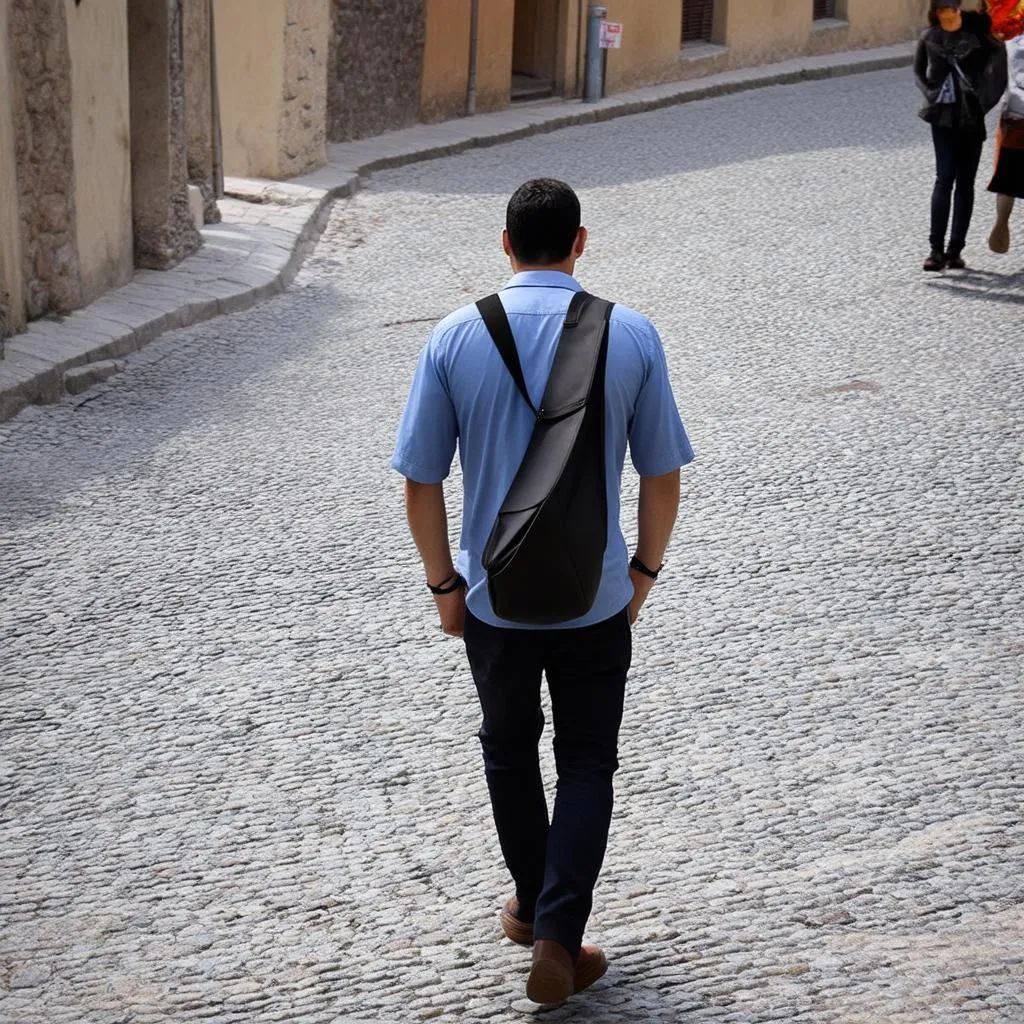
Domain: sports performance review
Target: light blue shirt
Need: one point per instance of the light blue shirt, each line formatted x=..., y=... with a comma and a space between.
x=463, y=395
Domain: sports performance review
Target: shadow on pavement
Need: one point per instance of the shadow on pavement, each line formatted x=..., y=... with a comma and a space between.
x=983, y=284
x=198, y=381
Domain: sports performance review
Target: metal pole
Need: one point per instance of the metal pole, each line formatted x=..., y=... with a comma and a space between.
x=594, y=88
x=577, y=84
x=474, y=40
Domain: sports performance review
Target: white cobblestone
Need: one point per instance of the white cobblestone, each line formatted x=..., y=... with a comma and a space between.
x=238, y=768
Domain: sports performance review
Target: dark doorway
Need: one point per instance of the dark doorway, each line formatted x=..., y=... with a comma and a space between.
x=698, y=20
x=824, y=9
x=534, y=42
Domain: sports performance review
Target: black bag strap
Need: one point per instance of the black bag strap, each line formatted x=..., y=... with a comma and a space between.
x=496, y=321
x=500, y=330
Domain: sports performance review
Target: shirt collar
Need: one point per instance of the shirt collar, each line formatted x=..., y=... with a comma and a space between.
x=544, y=279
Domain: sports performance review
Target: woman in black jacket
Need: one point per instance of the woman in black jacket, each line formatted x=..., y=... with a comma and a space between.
x=958, y=70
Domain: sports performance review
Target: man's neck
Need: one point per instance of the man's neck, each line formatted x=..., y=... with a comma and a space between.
x=566, y=267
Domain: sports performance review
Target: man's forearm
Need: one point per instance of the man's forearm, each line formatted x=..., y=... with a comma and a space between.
x=656, y=516
x=428, y=521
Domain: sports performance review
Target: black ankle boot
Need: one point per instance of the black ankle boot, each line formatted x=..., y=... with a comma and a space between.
x=936, y=261
x=954, y=261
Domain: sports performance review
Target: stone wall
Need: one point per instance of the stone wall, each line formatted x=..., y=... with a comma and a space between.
x=98, y=47
x=250, y=68
x=41, y=92
x=302, y=131
x=376, y=66
x=162, y=221
x=445, y=60
x=199, y=110
x=12, y=314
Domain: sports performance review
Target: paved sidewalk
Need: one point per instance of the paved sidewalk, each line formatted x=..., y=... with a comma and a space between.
x=269, y=227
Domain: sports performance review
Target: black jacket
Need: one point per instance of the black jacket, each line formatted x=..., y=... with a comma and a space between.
x=981, y=58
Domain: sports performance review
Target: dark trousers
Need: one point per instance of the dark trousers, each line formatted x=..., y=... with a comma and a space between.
x=554, y=865
x=957, y=155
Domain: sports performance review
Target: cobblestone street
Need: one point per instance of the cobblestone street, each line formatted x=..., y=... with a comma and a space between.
x=239, y=774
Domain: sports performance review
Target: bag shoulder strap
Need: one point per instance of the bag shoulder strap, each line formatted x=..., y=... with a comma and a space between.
x=496, y=321
x=500, y=330
x=572, y=375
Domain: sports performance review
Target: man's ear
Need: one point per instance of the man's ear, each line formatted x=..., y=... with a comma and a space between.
x=506, y=244
x=582, y=236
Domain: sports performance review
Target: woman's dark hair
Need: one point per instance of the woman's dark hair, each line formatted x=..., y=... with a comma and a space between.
x=933, y=9
x=543, y=220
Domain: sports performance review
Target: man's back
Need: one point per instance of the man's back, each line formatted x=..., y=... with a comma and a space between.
x=463, y=392
x=464, y=395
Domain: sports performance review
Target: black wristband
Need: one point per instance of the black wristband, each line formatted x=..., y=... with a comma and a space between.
x=635, y=563
x=449, y=586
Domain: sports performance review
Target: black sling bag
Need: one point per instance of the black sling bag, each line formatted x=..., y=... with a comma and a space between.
x=545, y=554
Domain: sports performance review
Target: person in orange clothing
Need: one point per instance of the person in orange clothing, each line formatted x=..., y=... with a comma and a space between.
x=1008, y=180
x=1007, y=18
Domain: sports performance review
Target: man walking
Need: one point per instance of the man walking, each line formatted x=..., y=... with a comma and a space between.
x=463, y=395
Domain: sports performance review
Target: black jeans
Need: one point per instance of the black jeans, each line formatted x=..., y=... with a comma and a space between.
x=957, y=155
x=554, y=866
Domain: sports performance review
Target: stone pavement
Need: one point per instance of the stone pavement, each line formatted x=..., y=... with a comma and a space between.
x=255, y=253
x=239, y=775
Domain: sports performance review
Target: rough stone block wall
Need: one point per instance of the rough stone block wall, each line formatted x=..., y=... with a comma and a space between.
x=199, y=103
x=41, y=67
x=303, y=126
x=182, y=237
x=376, y=66
x=162, y=218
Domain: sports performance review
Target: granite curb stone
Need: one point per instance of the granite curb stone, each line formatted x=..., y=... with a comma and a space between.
x=269, y=227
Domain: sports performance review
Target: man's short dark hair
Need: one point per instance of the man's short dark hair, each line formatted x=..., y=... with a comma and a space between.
x=543, y=220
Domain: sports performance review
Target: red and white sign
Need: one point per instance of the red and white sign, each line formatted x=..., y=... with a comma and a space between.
x=611, y=35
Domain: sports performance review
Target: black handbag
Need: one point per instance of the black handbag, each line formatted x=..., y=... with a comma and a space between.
x=545, y=554
x=970, y=113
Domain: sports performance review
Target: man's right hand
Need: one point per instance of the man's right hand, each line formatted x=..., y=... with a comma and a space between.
x=452, y=610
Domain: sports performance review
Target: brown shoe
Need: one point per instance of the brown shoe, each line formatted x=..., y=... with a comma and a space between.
x=520, y=932
x=552, y=976
x=591, y=966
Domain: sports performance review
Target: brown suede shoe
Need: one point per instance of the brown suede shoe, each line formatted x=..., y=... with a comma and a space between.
x=552, y=975
x=591, y=966
x=553, y=978
x=520, y=932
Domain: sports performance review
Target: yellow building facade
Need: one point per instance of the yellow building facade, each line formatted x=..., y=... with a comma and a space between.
x=110, y=111
x=538, y=47
x=297, y=75
x=94, y=146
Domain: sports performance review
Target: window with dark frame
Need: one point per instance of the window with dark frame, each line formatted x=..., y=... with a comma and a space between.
x=698, y=20
x=824, y=9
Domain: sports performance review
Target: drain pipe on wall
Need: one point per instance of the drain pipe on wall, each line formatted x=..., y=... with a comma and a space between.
x=578, y=86
x=474, y=39
x=594, y=88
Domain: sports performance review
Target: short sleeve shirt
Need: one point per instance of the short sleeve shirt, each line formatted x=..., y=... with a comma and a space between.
x=463, y=398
